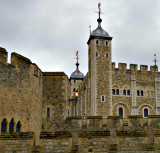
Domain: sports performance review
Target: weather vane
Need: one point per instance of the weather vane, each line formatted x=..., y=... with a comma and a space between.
x=77, y=54
x=155, y=60
x=99, y=7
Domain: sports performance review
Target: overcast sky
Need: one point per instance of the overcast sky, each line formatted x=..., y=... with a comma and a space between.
x=49, y=32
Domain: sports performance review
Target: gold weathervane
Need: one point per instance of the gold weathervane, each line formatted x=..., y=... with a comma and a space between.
x=77, y=53
x=99, y=6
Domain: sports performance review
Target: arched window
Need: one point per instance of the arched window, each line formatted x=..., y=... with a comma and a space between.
x=124, y=92
x=128, y=92
x=4, y=126
x=145, y=112
x=11, y=126
x=137, y=92
x=113, y=91
x=18, y=127
x=117, y=92
x=120, y=111
x=141, y=92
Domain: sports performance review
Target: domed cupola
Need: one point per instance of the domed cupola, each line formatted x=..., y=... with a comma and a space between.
x=77, y=75
x=99, y=33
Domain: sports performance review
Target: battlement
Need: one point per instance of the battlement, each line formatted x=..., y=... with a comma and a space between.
x=19, y=63
x=122, y=67
x=98, y=122
x=3, y=55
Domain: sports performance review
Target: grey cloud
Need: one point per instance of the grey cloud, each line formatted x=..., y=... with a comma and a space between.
x=50, y=32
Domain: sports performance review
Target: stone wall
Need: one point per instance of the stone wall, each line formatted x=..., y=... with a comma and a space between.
x=16, y=142
x=56, y=94
x=21, y=93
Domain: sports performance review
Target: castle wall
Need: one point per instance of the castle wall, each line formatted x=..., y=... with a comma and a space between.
x=20, y=96
x=17, y=142
x=56, y=94
x=143, y=81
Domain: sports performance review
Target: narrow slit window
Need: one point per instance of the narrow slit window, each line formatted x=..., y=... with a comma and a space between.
x=106, y=43
x=97, y=42
x=48, y=112
x=106, y=55
x=96, y=54
x=103, y=98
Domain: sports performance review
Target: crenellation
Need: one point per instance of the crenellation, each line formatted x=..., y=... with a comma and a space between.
x=144, y=67
x=122, y=66
x=113, y=65
x=134, y=67
x=154, y=68
x=3, y=55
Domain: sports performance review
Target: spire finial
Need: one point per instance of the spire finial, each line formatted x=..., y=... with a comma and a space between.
x=99, y=7
x=99, y=20
x=155, y=60
x=77, y=64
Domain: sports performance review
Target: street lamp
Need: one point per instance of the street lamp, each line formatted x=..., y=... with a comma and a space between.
x=75, y=99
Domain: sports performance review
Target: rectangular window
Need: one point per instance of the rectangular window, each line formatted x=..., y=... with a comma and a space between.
x=102, y=98
x=97, y=42
x=48, y=112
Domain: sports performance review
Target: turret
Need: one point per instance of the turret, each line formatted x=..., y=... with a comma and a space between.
x=100, y=70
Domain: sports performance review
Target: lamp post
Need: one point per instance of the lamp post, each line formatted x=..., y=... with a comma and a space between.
x=75, y=99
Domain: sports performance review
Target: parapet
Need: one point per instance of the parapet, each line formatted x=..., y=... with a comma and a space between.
x=122, y=68
x=19, y=61
x=3, y=55
x=54, y=74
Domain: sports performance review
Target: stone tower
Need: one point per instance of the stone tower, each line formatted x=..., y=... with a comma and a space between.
x=100, y=71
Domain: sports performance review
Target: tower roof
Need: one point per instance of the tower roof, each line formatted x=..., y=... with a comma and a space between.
x=99, y=32
x=77, y=75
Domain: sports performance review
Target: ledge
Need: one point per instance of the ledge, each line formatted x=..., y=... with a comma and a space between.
x=154, y=116
x=54, y=74
x=74, y=118
x=51, y=135
x=94, y=133
x=132, y=133
x=134, y=116
x=114, y=117
x=17, y=135
x=94, y=117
